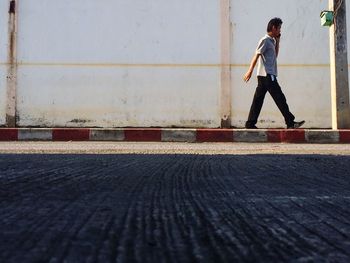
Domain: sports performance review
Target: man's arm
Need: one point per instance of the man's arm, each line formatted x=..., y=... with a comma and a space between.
x=277, y=47
x=249, y=73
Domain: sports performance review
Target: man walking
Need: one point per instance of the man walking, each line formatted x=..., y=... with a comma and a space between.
x=266, y=56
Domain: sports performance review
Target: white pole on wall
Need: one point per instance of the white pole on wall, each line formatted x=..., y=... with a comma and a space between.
x=11, y=65
x=225, y=94
x=339, y=67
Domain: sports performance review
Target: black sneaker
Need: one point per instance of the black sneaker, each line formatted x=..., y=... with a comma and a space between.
x=295, y=125
x=251, y=127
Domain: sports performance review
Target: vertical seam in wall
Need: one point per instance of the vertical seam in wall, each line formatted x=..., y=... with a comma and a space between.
x=225, y=85
x=12, y=65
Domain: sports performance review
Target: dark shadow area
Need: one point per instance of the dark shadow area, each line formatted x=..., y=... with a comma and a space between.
x=174, y=208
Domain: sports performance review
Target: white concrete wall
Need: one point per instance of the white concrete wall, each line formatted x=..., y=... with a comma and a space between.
x=304, y=73
x=117, y=63
x=3, y=59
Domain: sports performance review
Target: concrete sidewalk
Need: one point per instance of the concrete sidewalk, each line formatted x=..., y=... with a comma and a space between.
x=176, y=135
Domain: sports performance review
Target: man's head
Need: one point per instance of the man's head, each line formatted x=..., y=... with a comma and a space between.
x=274, y=26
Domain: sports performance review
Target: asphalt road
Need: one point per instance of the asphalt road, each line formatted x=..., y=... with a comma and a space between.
x=174, y=208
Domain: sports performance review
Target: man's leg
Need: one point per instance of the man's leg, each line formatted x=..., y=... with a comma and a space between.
x=281, y=102
x=257, y=103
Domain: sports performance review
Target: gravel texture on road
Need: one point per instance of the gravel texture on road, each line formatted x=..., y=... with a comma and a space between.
x=171, y=148
x=174, y=208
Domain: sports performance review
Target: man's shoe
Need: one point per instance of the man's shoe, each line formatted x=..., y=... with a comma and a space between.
x=251, y=127
x=295, y=125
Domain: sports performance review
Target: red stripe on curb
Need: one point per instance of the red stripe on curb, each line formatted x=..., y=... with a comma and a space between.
x=344, y=136
x=70, y=134
x=212, y=135
x=8, y=134
x=294, y=136
x=143, y=135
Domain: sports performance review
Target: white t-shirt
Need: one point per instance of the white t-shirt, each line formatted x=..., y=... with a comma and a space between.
x=267, y=63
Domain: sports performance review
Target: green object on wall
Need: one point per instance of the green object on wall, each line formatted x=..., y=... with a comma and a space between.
x=326, y=18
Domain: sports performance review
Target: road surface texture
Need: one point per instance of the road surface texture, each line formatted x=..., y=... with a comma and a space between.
x=174, y=208
x=172, y=147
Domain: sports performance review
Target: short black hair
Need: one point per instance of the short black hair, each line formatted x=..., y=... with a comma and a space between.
x=276, y=22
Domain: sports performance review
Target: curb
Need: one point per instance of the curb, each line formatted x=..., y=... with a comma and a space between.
x=175, y=135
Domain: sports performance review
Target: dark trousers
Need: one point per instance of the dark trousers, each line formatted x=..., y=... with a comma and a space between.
x=267, y=84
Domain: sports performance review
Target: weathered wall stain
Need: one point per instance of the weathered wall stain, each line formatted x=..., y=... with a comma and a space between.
x=11, y=66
